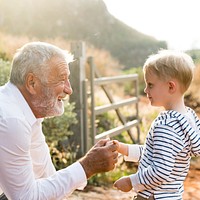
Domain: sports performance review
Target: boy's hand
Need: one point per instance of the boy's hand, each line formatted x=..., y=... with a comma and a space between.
x=111, y=142
x=123, y=184
x=121, y=147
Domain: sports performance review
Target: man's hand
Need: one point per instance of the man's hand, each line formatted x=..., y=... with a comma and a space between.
x=123, y=184
x=102, y=157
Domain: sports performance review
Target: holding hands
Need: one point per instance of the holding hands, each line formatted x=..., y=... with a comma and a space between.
x=102, y=157
x=124, y=183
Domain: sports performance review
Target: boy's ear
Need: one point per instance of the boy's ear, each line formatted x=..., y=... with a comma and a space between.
x=172, y=86
x=31, y=82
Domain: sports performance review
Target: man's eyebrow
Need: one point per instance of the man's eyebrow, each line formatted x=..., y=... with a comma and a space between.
x=64, y=76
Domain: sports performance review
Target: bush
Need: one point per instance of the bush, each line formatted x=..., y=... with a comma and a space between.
x=4, y=71
x=57, y=132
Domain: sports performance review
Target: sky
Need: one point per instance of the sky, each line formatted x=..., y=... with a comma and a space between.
x=175, y=21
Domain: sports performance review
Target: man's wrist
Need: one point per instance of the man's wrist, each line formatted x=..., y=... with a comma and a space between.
x=86, y=166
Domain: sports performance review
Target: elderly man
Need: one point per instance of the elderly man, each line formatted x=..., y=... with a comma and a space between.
x=39, y=81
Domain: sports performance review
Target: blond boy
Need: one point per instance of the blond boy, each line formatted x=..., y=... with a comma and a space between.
x=174, y=135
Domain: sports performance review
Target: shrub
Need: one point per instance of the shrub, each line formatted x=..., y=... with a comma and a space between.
x=4, y=71
x=57, y=132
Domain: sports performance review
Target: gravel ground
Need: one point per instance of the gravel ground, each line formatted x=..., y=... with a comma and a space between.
x=192, y=190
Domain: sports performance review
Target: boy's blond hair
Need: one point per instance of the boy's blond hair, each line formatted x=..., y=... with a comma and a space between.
x=170, y=64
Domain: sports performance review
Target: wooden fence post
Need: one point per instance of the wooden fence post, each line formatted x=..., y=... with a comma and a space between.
x=77, y=79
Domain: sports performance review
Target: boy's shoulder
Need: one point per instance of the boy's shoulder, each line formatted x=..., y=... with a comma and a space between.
x=172, y=117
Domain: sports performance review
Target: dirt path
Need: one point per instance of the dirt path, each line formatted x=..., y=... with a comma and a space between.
x=192, y=185
x=192, y=190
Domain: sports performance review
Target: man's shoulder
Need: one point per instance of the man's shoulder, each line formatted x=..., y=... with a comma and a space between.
x=10, y=110
x=9, y=106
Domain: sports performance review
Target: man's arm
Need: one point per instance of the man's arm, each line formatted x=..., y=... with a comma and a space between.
x=16, y=169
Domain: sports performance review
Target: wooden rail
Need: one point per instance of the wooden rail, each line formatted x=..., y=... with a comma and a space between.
x=96, y=80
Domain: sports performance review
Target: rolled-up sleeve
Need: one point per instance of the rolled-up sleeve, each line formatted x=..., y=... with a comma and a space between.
x=134, y=153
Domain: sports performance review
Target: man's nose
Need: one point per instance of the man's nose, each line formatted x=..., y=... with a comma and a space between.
x=68, y=89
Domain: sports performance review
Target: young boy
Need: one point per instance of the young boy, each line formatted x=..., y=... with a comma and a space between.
x=174, y=135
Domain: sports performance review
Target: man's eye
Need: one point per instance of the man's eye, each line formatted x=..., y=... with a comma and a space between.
x=64, y=81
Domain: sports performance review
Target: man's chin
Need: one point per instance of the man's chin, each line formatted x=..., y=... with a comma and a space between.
x=56, y=113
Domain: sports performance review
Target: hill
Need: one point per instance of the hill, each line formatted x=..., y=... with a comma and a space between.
x=87, y=20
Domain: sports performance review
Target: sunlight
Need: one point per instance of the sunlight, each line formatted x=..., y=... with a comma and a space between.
x=175, y=21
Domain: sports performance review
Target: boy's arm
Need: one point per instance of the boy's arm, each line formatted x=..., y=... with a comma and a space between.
x=131, y=152
x=123, y=148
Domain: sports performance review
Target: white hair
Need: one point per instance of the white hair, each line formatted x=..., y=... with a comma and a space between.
x=34, y=57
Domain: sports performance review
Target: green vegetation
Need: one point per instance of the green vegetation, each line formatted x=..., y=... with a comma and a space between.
x=57, y=132
x=195, y=54
x=4, y=71
x=108, y=178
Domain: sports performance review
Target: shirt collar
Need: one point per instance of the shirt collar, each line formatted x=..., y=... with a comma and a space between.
x=22, y=103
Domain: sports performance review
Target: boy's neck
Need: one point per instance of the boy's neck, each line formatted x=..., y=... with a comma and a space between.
x=177, y=105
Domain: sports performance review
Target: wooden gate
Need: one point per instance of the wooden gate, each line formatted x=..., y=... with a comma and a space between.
x=95, y=80
x=84, y=89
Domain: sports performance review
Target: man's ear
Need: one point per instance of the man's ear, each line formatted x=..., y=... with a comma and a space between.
x=31, y=82
x=172, y=86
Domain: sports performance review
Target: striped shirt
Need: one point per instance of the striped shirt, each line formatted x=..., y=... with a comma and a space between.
x=164, y=160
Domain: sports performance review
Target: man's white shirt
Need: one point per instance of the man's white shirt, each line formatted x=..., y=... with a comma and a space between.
x=26, y=169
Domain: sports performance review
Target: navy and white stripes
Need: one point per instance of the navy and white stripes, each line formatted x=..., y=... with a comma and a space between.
x=165, y=159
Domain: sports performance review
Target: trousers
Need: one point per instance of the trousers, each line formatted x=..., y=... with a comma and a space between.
x=3, y=197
